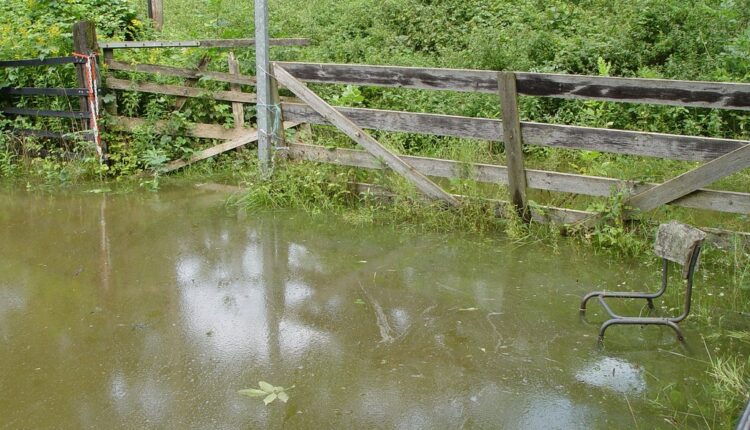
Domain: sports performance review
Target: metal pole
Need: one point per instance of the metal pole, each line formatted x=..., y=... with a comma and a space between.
x=263, y=87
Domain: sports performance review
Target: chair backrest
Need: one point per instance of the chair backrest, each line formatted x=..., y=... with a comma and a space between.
x=678, y=242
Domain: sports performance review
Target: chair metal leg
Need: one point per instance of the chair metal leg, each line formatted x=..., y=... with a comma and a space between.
x=649, y=297
x=640, y=321
x=582, y=307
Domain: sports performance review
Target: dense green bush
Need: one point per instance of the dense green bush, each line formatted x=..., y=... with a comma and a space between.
x=36, y=28
x=43, y=28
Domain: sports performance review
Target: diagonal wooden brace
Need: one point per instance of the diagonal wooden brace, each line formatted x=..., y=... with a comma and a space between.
x=424, y=184
x=191, y=82
x=250, y=136
x=688, y=182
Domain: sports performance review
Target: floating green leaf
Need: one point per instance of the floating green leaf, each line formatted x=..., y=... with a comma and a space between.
x=265, y=386
x=253, y=392
x=268, y=392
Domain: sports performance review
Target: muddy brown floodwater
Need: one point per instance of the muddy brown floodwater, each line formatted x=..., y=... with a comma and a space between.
x=148, y=310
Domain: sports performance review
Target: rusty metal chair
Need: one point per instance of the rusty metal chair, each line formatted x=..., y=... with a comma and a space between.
x=677, y=243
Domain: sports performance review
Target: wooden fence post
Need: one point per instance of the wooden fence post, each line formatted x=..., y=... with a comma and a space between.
x=238, y=111
x=277, y=116
x=513, y=142
x=108, y=56
x=156, y=13
x=84, y=42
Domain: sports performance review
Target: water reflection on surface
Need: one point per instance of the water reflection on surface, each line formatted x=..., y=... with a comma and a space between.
x=152, y=311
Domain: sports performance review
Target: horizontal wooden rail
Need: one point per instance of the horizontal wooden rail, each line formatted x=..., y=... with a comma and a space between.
x=546, y=214
x=181, y=72
x=209, y=43
x=52, y=61
x=204, y=131
x=688, y=148
x=181, y=91
x=42, y=112
x=49, y=92
x=722, y=201
x=632, y=90
x=540, y=213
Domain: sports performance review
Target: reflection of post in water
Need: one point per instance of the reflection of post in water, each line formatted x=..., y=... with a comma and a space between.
x=105, y=269
x=275, y=265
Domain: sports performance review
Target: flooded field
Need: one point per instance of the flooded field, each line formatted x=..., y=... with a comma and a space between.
x=151, y=310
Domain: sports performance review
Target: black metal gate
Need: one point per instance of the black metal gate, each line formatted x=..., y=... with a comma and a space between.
x=88, y=95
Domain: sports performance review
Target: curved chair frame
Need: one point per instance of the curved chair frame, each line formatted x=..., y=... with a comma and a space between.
x=671, y=322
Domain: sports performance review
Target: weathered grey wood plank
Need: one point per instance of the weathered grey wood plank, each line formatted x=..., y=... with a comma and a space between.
x=424, y=184
x=208, y=43
x=181, y=72
x=722, y=201
x=721, y=95
x=395, y=76
x=203, y=131
x=276, y=115
x=653, y=91
x=540, y=214
x=156, y=13
x=550, y=214
x=108, y=55
x=674, y=147
x=248, y=137
x=678, y=242
x=688, y=182
x=513, y=142
x=177, y=90
x=424, y=123
x=688, y=148
x=191, y=82
x=250, y=43
x=238, y=111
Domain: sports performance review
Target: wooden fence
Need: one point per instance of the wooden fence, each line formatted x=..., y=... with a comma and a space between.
x=234, y=138
x=721, y=157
